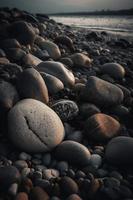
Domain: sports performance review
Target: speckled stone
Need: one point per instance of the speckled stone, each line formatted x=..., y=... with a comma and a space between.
x=34, y=127
x=66, y=109
x=81, y=59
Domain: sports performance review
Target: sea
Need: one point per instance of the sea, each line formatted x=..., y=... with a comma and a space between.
x=122, y=25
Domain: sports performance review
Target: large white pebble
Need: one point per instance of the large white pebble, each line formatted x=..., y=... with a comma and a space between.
x=34, y=127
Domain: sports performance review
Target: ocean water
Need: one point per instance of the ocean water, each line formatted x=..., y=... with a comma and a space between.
x=117, y=24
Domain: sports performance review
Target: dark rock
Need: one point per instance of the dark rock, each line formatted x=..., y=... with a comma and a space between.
x=119, y=151
x=101, y=127
x=102, y=93
x=68, y=186
x=35, y=88
x=69, y=150
x=8, y=176
x=17, y=28
x=38, y=193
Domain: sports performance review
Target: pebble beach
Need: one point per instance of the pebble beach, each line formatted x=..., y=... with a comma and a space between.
x=66, y=111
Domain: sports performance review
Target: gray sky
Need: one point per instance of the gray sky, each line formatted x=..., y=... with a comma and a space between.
x=50, y=6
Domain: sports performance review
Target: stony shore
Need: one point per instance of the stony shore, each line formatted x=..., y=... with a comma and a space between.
x=66, y=111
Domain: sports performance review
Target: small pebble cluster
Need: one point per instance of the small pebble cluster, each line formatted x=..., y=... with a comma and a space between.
x=66, y=111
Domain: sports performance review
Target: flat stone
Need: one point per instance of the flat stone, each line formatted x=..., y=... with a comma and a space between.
x=34, y=127
x=114, y=70
x=69, y=150
x=58, y=70
x=102, y=93
x=53, y=84
x=17, y=28
x=81, y=59
x=101, y=127
x=36, y=87
x=52, y=49
x=119, y=151
x=8, y=176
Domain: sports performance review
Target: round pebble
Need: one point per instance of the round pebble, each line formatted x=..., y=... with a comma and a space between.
x=34, y=127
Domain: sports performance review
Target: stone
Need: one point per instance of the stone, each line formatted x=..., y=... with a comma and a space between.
x=68, y=186
x=62, y=166
x=21, y=196
x=8, y=176
x=95, y=160
x=102, y=93
x=13, y=189
x=79, y=59
x=4, y=61
x=58, y=70
x=65, y=40
x=50, y=174
x=114, y=70
x=34, y=127
x=8, y=96
x=20, y=164
x=73, y=197
x=46, y=159
x=53, y=84
x=66, y=109
x=15, y=54
x=37, y=193
x=10, y=43
x=76, y=136
x=17, y=28
x=35, y=89
x=24, y=156
x=67, y=61
x=119, y=151
x=31, y=60
x=101, y=128
x=69, y=150
x=87, y=110
x=52, y=49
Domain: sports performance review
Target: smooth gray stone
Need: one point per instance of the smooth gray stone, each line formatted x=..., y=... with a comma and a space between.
x=73, y=152
x=34, y=127
x=58, y=70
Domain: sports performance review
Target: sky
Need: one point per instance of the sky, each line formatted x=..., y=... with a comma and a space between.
x=54, y=6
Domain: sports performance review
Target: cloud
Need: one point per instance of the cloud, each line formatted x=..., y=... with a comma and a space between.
x=66, y=5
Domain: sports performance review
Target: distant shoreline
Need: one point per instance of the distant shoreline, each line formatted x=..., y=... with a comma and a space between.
x=102, y=12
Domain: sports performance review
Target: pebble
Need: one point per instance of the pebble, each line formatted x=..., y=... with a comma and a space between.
x=36, y=125
x=65, y=40
x=53, y=84
x=13, y=189
x=101, y=127
x=8, y=96
x=37, y=193
x=58, y=70
x=24, y=156
x=50, y=174
x=74, y=197
x=69, y=150
x=87, y=110
x=114, y=70
x=95, y=160
x=46, y=159
x=52, y=49
x=65, y=109
x=68, y=186
x=21, y=196
x=17, y=28
x=36, y=88
x=8, y=176
x=79, y=59
x=119, y=151
x=109, y=95
x=20, y=164
x=29, y=60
